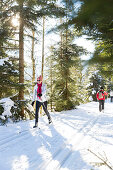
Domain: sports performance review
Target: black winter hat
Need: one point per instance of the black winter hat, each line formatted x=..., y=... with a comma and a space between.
x=101, y=88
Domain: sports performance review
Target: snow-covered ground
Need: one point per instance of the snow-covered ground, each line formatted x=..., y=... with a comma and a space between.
x=66, y=144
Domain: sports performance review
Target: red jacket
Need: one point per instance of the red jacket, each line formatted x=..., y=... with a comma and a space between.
x=103, y=94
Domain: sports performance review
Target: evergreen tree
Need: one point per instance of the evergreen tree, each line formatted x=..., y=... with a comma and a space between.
x=94, y=18
x=50, y=73
x=94, y=82
x=8, y=67
x=8, y=79
x=103, y=56
x=66, y=73
x=29, y=12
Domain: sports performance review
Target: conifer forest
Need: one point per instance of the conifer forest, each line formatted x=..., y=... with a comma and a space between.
x=39, y=37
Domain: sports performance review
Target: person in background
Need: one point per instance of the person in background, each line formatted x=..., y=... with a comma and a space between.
x=111, y=95
x=39, y=95
x=101, y=98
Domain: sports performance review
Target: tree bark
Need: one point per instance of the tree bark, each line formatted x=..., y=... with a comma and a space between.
x=33, y=60
x=43, y=46
x=51, y=78
x=21, y=61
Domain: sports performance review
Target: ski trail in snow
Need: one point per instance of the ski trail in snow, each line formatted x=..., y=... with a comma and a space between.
x=9, y=141
x=65, y=151
x=62, y=145
x=79, y=138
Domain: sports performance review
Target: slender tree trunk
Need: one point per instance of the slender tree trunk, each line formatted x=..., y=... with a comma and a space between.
x=67, y=69
x=42, y=54
x=61, y=41
x=33, y=60
x=51, y=79
x=21, y=61
x=43, y=46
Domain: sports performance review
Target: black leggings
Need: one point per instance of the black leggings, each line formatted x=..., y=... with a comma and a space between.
x=101, y=105
x=111, y=98
x=38, y=105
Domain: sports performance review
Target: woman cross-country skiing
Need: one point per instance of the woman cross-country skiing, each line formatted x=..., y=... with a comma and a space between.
x=39, y=95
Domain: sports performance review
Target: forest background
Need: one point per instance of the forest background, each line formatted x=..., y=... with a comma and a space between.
x=25, y=52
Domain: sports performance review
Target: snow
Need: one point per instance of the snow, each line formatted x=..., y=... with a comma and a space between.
x=2, y=61
x=66, y=144
x=7, y=103
x=94, y=91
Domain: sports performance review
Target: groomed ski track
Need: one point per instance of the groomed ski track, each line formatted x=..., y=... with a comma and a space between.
x=64, y=153
x=54, y=146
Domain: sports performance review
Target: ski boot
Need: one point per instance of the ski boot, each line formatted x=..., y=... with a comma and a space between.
x=50, y=121
x=36, y=125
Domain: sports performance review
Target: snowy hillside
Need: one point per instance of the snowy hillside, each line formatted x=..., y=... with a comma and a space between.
x=66, y=144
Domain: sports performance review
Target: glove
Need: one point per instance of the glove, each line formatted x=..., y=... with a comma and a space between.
x=39, y=94
x=32, y=103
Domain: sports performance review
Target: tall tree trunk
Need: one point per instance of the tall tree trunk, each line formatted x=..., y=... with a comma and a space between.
x=67, y=69
x=21, y=60
x=51, y=79
x=33, y=60
x=42, y=54
x=43, y=46
x=61, y=36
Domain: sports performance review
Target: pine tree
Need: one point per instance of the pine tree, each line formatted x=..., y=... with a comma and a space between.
x=94, y=18
x=103, y=56
x=29, y=12
x=66, y=73
x=8, y=69
x=94, y=81
x=8, y=79
x=33, y=59
x=50, y=73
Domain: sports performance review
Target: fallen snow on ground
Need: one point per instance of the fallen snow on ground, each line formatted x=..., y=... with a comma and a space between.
x=66, y=144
